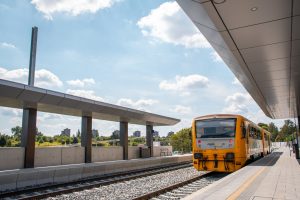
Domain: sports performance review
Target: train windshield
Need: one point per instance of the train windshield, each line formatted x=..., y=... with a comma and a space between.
x=215, y=128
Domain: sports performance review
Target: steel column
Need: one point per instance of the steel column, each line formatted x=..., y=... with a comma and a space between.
x=124, y=139
x=149, y=138
x=28, y=136
x=297, y=154
x=86, y=138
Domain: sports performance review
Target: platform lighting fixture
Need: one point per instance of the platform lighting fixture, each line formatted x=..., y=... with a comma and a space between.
x=254, y=9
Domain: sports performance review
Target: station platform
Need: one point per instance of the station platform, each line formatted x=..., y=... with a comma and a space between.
x=276, y=176
x=33, y=177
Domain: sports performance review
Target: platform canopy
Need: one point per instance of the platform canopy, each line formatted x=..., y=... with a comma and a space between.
x=259, y=40
x=17, y=95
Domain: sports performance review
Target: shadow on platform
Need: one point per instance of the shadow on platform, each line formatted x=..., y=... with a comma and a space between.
x=269, y=160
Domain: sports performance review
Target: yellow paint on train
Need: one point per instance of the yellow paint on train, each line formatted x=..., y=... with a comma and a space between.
x=225, y=143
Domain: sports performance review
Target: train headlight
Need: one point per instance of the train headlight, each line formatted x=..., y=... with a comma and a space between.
x=198, y=156
x=229, y=156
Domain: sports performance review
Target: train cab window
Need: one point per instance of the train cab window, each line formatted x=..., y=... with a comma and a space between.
x=215, y=128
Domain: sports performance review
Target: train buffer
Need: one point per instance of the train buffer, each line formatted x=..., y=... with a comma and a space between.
x=276, y=176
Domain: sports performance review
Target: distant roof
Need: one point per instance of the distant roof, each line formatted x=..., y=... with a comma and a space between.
x=17, y=95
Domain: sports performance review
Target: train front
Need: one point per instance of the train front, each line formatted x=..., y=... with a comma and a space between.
x=214, y=140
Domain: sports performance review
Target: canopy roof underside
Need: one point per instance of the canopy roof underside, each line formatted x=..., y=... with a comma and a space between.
x=260, y=43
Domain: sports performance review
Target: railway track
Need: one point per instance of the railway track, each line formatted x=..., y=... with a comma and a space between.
x=58, y=189
x=182, y=189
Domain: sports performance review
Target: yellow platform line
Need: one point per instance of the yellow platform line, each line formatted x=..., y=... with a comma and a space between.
x=246, y=184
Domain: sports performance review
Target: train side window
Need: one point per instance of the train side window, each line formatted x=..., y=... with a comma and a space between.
x=244, y=131
x=251, y=132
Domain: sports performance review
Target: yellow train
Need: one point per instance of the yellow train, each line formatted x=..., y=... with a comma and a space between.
x=225, y=143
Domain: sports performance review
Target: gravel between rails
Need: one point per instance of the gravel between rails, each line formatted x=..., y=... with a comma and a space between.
x=133, y=188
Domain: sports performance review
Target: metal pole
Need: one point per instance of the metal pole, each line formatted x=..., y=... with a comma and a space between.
x=32, y=60
x=29, y=114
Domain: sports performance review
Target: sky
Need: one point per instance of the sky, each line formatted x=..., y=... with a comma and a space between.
x=146, y=55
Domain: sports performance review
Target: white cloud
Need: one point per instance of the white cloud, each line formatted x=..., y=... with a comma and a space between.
x=49, y=7
x=8, y=45
x=89, y=94
x=43, y=77
x=11, y=112
x=81, y=83
x=168, y=23
x=139, y=104
x=238, y=103
x=184, y=84
x=181, y=109
x=216, y=57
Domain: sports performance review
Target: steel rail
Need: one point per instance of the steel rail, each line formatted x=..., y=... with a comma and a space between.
x=172, y=187
x=64, y=188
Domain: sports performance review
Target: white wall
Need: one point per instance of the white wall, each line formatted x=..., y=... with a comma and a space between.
x=133, y=152
x=50, y=156
x=162, y=151
x=100, y=154
x=11, y=158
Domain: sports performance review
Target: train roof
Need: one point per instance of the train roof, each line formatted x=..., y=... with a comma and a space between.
x=211, y=116
x=218, y=116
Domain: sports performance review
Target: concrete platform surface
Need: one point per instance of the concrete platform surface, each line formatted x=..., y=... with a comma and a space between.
x=22, y=178
x=276, y=176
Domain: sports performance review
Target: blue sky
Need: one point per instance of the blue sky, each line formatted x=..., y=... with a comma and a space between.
x=141, y=54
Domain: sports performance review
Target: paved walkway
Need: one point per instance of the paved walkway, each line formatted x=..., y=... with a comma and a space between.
x=276, y=176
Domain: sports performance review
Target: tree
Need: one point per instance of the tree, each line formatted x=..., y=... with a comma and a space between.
x=75, y=140
x=78, y=135
x=287, y=130
x=17, y=131
x=2, y=140
x=68, y=141
x=182, y=140
x=264, y=126
x=273, y=130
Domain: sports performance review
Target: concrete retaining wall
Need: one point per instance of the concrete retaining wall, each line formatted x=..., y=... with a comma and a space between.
x=11, y=158
x=100, y=154
x=162, y=151
x=50, y=156
x=20, y=178
x=133, y=152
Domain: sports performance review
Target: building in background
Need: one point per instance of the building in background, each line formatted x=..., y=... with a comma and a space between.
x=170, y=133
x=115, y=134
x=95, y=133
x=155, y=133
x=66, y=132
x=137, y=134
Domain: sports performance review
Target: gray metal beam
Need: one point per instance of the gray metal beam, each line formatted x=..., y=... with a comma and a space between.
x=86, y=137
x=149, y=138
x=124, y=139
x=28, y=136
